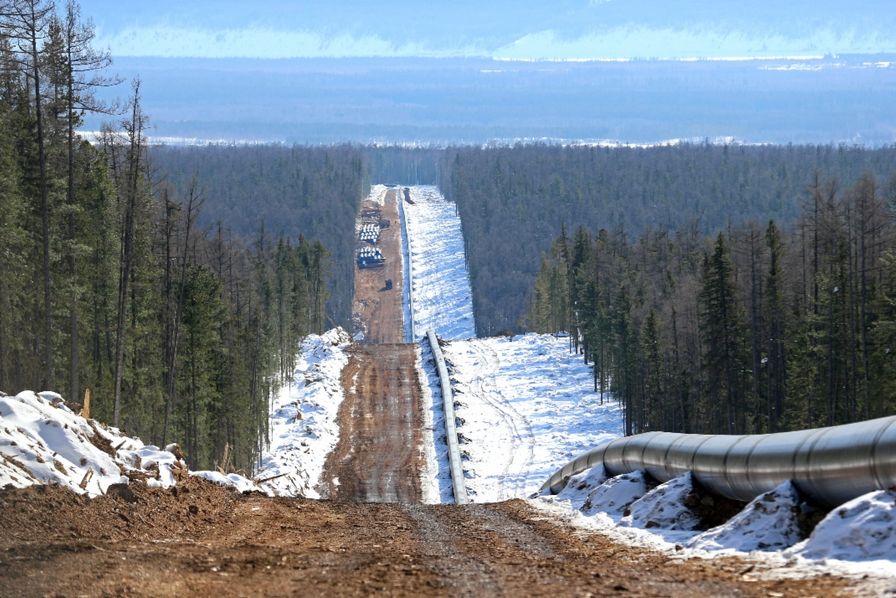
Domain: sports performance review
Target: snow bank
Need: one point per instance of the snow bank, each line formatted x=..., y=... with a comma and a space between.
x=43, y=442
x=231, y=480
x=580, y=487
x=768, y=523
x=614, y=496
x=861, y=530
x=304, y=426
x=443, y=299
x=525, y=406
x=377, y=195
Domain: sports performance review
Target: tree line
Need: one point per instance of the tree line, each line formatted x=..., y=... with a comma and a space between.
x=111, y=280
x=287, y=190
x=513, y=201
x=758, y=328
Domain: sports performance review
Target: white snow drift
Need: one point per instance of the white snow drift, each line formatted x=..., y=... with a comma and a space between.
x=304, y=426
x=443, y=299
x=525, y=406
x=43, y=442
x=857, y=538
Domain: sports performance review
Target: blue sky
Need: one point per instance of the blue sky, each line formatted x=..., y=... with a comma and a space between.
x=557, y=29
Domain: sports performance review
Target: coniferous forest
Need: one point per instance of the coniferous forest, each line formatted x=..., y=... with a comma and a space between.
x=116, y=280
x=514, y=201
x=757, y=328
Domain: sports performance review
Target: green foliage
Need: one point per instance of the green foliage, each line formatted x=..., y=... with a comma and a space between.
x=670, y=322
x=314, y=192
x=195, y=330
x=514, y=201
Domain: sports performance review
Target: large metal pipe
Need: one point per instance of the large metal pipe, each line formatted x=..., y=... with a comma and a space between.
x=829, y=465
x=455, y=464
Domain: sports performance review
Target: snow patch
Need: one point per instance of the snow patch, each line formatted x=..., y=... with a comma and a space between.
x=769, y=522
x=580, y=487
x=615, y=495
x=856, y=540
x=436, y=475
x=377, y=195
x=43, y=442
x=304, y=426
x=231, y=480
x=665, y=507
x=525, y=406
x=861, y=530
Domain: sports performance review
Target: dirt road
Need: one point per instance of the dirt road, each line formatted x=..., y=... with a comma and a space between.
x=205, y=541
x=376, y=309
x=379, y=455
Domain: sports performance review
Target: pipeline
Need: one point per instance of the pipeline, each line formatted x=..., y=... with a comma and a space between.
x=408, y=273
x=828, y=465
x=454, y=461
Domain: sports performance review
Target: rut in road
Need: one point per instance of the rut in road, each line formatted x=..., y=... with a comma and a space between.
x=379, y=455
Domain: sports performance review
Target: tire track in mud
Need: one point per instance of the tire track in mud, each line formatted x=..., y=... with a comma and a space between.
x=379, y=455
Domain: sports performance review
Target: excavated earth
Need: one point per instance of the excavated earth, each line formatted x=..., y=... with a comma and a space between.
x=199, y=539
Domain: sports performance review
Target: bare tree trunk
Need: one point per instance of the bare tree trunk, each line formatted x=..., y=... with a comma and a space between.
x=135, y=135
x=193, y=204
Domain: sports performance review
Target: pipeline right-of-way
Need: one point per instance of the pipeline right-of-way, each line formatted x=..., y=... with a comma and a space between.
x=828, y=465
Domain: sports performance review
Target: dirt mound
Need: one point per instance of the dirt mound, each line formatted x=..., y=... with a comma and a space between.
x=132, y=512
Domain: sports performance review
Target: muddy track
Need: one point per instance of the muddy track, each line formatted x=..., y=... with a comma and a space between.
x=379, y=455
x=207, y=541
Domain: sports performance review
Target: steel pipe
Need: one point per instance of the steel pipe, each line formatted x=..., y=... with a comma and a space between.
x=454, y=460
x=828, y=465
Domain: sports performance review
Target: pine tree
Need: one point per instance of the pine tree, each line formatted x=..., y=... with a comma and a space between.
x=776, y=331
x=721, y=330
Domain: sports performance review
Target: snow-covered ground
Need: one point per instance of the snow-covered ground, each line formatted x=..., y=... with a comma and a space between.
x=304, y=426
x=42, y=441
x=442, y=298
x=856, y=539
x=525, y=406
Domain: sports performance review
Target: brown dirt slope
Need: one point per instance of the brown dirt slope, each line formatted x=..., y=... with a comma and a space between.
x=205, y=541
x=378, y=458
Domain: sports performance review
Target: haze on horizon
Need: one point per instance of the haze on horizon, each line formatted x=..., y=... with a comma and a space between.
x=502, y=29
